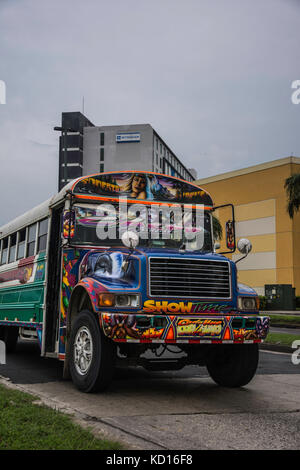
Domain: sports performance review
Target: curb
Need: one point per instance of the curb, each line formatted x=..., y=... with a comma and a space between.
x=288, y=326
x=280, y=312
x=101, y=429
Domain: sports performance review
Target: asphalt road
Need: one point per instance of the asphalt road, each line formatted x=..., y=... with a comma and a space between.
x=181, y=410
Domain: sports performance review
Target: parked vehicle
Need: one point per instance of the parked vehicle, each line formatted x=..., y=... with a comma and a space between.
x=117, y=265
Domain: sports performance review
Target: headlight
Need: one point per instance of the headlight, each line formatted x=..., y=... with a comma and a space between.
x=127, y=300
x=119, y=300
x=247, y=303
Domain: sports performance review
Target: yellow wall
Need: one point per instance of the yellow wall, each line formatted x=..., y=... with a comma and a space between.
x=296, y=241
x=260, y=194
x=255, y=210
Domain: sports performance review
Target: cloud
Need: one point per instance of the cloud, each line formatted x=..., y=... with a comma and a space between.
x=213, y=79
x=28, y=169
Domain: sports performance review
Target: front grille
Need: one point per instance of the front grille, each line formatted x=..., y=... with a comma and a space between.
x=193, y=278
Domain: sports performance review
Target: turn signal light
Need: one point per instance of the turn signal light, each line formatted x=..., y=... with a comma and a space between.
x=107, y=300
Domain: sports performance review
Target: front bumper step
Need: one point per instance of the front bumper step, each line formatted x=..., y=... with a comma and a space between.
x=127, y=327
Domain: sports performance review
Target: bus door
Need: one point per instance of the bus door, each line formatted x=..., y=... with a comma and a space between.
x=51, y=319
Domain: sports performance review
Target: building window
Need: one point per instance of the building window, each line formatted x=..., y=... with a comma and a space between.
x=74, y=157
x=101, y=138
x=101, y=167
x=74, y=172
x=101, y=155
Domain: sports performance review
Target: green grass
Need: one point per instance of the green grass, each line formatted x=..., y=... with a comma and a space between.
x=282, y=320
x=282, y=339
x=27, y=426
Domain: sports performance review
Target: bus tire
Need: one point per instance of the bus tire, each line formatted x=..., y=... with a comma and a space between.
x=91, y=354
x=232, y=365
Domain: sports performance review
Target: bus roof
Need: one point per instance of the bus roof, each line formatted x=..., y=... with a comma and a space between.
x=30, y=217
x=148, y=186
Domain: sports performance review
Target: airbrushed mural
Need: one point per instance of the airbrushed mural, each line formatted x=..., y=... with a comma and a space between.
x=24, y=272
x=178, y=329
x=144, y=186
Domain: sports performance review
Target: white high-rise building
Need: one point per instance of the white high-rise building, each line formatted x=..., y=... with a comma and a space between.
x=92, y=149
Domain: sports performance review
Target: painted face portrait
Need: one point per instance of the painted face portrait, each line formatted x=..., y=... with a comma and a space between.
x=136, y=186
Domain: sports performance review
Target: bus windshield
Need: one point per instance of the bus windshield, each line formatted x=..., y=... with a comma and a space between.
x=103, y=225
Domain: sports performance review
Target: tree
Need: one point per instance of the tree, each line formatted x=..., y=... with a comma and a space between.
x=292, y=187
x=217, y=228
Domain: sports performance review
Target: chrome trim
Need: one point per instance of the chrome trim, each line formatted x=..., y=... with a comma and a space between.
x=197, y=268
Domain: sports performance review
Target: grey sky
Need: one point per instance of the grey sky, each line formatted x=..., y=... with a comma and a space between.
x=212, y=77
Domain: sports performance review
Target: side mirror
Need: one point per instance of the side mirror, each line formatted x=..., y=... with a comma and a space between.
x=224, y=219
x=130, y=239
x=217, y=246
x=244, y=246
x=230, y=235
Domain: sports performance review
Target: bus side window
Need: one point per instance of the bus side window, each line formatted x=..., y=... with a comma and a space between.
x=42, y=238
x=4, y=250
x=21, y=244
x=31, y=240
x=12, y=249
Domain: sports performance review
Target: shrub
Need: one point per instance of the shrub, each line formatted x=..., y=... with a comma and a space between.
x=262, y=302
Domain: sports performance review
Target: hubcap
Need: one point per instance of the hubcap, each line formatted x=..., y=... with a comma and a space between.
x=83, y=350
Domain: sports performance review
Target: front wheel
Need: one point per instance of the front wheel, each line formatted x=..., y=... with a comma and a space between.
x=232, y=365
x=92, y=355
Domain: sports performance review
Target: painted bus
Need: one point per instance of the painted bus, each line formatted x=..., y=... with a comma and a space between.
x=82, y=274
